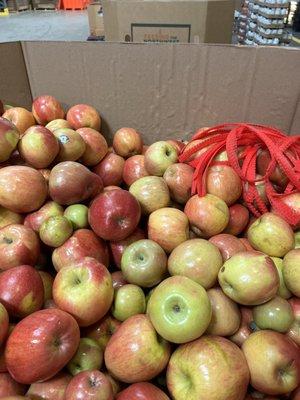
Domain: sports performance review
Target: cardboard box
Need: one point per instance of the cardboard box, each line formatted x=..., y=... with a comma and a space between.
x=162, y=90
x=95, y=17
x=184, y=21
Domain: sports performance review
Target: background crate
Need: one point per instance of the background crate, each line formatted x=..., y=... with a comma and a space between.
x=45, y=4
x=18, y=5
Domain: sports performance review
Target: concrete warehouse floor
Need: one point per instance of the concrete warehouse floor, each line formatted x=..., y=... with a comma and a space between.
x=44, y=25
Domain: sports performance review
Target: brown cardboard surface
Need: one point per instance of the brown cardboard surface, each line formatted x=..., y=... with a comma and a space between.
x=14, y=85
x=95, y=19
x=195, y=21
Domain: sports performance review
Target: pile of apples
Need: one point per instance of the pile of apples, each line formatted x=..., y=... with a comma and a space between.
x=117, y=283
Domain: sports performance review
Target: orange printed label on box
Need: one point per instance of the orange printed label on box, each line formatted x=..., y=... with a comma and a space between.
x=161, y=33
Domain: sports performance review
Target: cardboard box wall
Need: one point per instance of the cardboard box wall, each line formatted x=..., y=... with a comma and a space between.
x=95, y=17
x=162, y=90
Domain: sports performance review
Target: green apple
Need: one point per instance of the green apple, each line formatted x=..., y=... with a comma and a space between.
x=249, y=278
x=55, y=231
x=77, y=214
x=271, y=235
x=129, y=300
x=144, y=263
x=88, y=357
x=197, y=259
x=297, y=239
x=159, y=156
x=283, y=291
x=179, y=309
x=291, y=271
x=276, y=314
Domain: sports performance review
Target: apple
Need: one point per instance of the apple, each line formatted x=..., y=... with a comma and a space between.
x=127, y=142
x=179, y=178
x=84, y=116
x=83, y=243
x=277, y=176
x=208, y=215
x=283, y=291
x=89, y=385
x=198, y=260
x=168, y=227
x=88, y=357
x=77, y=214
x=9, y=387
x=47, y=280
x=2, y=359
x=247, y=244
x=152, y=193
x=276, y=315
x=296, y=394
x=145, y=148
x=20, y=117
x=71, y=144
x=103, y=330
x=292, y=200
x=114, y=215
x=222, y=181
x=246, y=327
x=249, y=278
x=110, y=169
x=95, y=146
x=291, y=271
x=46, y=108
x=272, y=235
x=129, y=300
x=297, y=239
x=177, y=144
x=142, y=391
x=116, y=385
x=9, y=137
x=144, y=263
x=21, y=291
x=159, y=156
x=227, y=244
x=210, y=366
x=118, y=279
x=274, y=362
x=45, y=173
x=14, y=193
x=52, y=389
x=8, y=217
x=117, y=248
x=4, y=323
x=38, y=146
x=111, y=187
x=57, y=124
x=179, y=309
x=226, y=316
x=14, y=398
x=18, y=245
x=127, y=356
x=84, y=289
x=71, y=182
x=55, y=231
x=238, y=219
x=294, y=330
x=134, y=169
x=37, y=218
x=42, y=333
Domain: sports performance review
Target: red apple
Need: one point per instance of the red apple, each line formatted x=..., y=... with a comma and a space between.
x=118, y=280
x=38, y=146
x=9, y=137
x=84, y=289
x=47, y=280
x=263, y=161
x=14, y=184
x=71, y=182
x=37, y=218
x=46, y=173
x=57, y=124
x=20, y=117
x=294, y=331
x=18, y=245
x=83, y=243
x=179, y=178
x=102, y=330
x=4, y=323
x=52, y=389
x=95, y=146
x=71, y=144
x=238, y=219
x=208, y=215
x=9, y=387
x=224, y=182
x=46, y=108
x=114, y=215
x=117, y=248
x=127, y=142
x=227, y=244
x=14, y=398
x=2, y=359
x=296, y=394
x=127, y=355
x=83, y=116
x=142, y=391
x=89, y=385
x=111, y=187
x=110, y=169
x=247, y=244
x=8, y=217
x=134, y=169
x=42, y=333
x=21, y=290
x=293, y=202
x=247, y=326
x=177, y=144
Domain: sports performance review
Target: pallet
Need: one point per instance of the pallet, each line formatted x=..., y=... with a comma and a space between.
x=20, y=9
